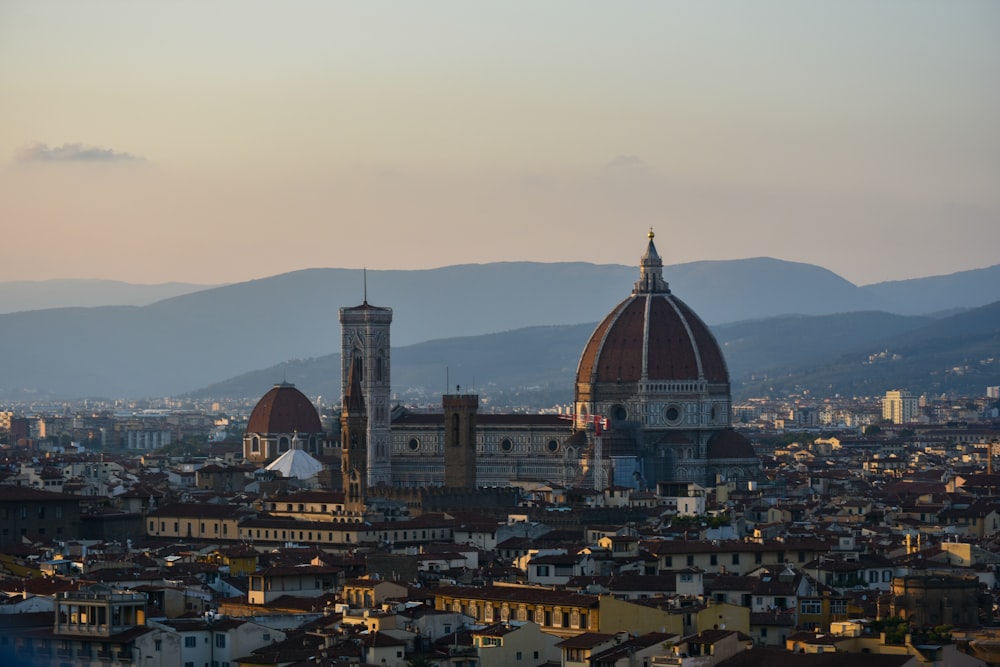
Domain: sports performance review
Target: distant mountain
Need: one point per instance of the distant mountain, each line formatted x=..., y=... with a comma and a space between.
x=16, y=296
x=761, y=346
x=536, y=362
x=959, y=354
x=197, y=339
x=919, y=296
x=853, y=353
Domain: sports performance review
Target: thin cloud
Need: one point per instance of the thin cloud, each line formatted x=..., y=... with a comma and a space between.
x=627, y=162
x=39, y=152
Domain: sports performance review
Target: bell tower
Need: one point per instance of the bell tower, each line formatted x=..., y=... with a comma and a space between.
x=365, y=385
x=460, y=439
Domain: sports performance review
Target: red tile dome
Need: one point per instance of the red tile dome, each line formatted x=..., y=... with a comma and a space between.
x=284, y=409
x=652, y=336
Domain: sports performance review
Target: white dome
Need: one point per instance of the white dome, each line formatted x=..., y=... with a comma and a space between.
x=296, y=463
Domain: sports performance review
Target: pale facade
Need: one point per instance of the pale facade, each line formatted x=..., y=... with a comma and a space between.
x=899, y=407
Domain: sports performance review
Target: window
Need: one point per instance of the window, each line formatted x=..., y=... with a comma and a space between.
x=690, y=561
x=713, y=559
x=811, y=607
x=220, y=640
x=668, y=561
x=518, y=655
x=736, y=559
x=190, y=642
x=157, y=644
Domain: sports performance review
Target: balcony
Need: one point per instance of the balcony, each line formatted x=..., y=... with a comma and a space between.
x=668, y=660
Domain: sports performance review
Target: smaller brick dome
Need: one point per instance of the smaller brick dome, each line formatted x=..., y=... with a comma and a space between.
x=284, y=409
x=730, y=444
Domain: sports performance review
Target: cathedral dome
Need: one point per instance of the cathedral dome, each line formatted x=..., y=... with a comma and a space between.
x=284, y=409
x=652, y=336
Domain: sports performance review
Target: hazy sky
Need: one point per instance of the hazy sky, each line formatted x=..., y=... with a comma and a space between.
x=222, y=141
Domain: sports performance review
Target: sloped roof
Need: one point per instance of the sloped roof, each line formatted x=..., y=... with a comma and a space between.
x=296, y=463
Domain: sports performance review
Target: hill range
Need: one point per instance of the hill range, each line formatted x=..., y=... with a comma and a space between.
x=504, y=326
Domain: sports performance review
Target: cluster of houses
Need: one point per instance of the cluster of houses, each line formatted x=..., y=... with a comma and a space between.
x=880, y=549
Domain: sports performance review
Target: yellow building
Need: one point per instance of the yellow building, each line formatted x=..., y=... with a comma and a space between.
x=368, y=593
x=558, y=613
x=640, y=617
x=194, y=521
x=240, y=559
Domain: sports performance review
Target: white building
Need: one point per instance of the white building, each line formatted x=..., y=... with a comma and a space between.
x=899, y=407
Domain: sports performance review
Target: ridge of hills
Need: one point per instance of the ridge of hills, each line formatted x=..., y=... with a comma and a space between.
x=822, y=355
x=21, y=295
x=194, y=339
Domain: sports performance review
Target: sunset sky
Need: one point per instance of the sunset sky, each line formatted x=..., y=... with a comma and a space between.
x=222, y=141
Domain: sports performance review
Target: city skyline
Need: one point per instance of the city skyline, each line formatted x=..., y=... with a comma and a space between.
x=221, y=143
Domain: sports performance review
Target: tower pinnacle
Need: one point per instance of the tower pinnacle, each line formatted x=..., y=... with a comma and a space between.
x=650, y=271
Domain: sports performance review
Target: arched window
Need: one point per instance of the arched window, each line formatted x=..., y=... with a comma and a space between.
x=255, y=444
